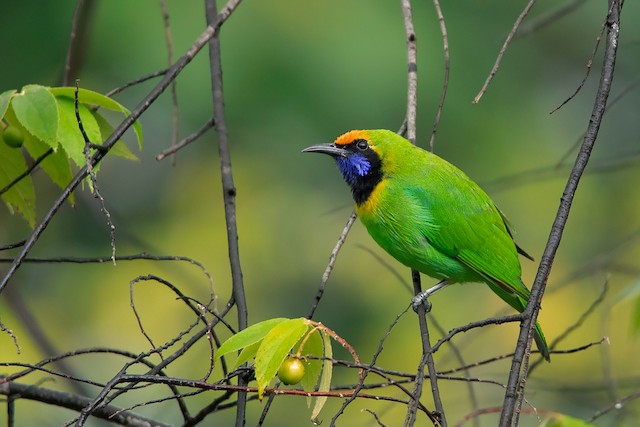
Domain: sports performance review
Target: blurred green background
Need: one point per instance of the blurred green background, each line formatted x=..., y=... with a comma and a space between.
x=299, y=73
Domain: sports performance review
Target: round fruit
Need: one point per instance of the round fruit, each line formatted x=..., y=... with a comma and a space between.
x=291, y=371
x=13, y=137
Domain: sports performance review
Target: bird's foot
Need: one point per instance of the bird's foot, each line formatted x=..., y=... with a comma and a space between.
x=422, y=299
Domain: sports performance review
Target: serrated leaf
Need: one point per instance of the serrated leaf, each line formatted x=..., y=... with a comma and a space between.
x=56, y=165
x=86, y=96
x=325, y=378
x=562, y=420
x=37, y=111
x=21, y=196
x=248, y=336
x=275, y=347
x=5, y=98
x=119, y=148
x=69, y=135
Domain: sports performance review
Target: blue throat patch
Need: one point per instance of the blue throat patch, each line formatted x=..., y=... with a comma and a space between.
x=353, y=167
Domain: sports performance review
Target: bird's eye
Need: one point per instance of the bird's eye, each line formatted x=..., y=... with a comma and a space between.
x=362, y=144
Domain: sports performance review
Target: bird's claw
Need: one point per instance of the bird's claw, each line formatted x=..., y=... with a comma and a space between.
x=422, y=299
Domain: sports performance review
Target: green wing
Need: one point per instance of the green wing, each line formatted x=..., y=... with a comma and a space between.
x=470, y=227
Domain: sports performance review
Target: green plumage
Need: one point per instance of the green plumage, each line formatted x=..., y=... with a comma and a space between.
x=429, y=215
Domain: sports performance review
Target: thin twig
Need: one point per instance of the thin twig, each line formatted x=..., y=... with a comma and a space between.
x=505, y=45
x=171, y=74
x=477, y=324
x=77, y=40
x=142, y=79
x=510, y=406
x=613, y=101
x=473, y=398
x=92, y=176
x=372, y=368
x=573, y=327
x=447, y=66
x=174, y=85
x=412, y=70
x=28, y=171
x=332, y=261
x=587, y=71
x=75, y=402
x=614, y=406
x=186, y=141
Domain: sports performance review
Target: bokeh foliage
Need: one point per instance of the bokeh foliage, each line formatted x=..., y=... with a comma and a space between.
x=298, y=73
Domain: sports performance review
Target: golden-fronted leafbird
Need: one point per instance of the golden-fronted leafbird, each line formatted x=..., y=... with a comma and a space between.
x=429, y=215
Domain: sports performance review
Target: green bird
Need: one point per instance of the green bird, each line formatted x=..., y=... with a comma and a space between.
x=430, y=216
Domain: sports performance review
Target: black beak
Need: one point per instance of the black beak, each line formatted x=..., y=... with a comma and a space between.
x=329, y=149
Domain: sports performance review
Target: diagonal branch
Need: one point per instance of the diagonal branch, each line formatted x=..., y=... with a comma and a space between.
x=169, y=77
x=511, y=402
x=505, y=45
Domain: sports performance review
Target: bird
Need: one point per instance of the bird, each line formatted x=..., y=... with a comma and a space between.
x=430, y=216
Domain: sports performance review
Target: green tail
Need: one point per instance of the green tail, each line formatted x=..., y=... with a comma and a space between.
x=519, y=304
x=541, y=343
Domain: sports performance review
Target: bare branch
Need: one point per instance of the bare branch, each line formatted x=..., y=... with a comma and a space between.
x=412, y=70
x=505, y=45
x=75, y=402
x=511, y=407
x=175, y=116
x=174, y=70
x=92, y=176
x=445, y=82
x=228, y=191
x=82, y=16
x=332, y=261
x=186, y=141
x=27, y=172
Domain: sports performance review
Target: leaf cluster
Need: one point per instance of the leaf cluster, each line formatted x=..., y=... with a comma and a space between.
x=57, y=131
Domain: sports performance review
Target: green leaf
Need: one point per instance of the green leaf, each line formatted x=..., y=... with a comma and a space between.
x=56, y=164
x=119, y=148
x=275, y=347
x=94, y=98
x=313, y=368
x=69, y=134
x=325, y=379
x=21, y=196
x=37, y=111
x=248, y=336
x=562, y=420
x=249, y=352
x=5, y=98
x=635, y=317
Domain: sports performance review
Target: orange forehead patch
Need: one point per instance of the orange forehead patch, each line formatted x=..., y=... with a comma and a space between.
x=349, y=137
